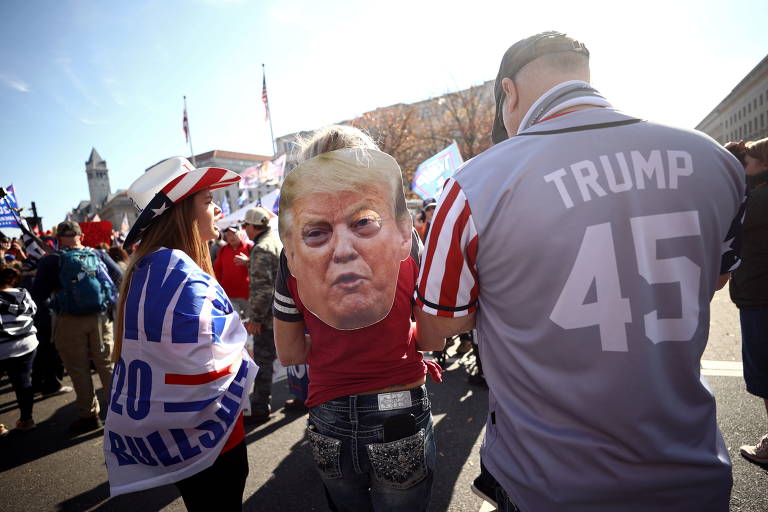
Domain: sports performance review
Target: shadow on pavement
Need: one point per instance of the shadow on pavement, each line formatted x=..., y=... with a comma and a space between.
x=152, y=499
x=50, y=436
x=465, y=407
x=294, y=485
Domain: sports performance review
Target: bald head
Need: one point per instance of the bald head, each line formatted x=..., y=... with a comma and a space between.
x=536, y=78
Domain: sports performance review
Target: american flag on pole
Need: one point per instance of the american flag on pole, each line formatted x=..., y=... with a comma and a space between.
x=182, y=379
x=185, y=125
x=264, y=99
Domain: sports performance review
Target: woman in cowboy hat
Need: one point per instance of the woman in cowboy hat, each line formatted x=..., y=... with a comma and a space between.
x=181, y=371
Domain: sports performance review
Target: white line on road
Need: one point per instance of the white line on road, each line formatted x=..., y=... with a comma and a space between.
x=722, y=368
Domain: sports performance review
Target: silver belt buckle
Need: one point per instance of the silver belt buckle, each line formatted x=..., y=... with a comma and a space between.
x=394, y=400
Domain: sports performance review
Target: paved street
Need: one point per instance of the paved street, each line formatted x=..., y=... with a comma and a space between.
x=46, y=470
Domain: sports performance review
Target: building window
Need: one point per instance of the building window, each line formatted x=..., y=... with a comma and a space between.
x=762, y=121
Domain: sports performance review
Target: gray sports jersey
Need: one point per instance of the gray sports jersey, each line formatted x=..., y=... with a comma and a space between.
x=599, y=250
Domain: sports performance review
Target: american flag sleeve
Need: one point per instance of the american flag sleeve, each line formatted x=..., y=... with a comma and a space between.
x=447, y=284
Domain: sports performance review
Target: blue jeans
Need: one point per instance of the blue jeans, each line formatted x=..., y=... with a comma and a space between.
x=754, y=349
x=19, y=371
x=360, y=471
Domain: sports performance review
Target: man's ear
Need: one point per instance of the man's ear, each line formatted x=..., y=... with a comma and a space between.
x=510, y=92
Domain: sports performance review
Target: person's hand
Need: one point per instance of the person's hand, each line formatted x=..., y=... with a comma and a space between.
x=253, y=328
x=17, y=246
x=241, y=259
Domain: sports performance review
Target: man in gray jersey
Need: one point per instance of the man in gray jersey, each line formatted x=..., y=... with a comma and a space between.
x=585, y=246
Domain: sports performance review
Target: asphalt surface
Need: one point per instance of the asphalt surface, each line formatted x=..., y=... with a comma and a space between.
x=47, y=470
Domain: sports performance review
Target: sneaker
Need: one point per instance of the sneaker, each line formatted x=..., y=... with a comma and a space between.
x=484, y=486
x=25, y=425
x=61, y=391
x=757, y=453
x=83, y=425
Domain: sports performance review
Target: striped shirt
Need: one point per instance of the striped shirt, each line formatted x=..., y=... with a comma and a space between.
x=448, y=277
x=17, y=330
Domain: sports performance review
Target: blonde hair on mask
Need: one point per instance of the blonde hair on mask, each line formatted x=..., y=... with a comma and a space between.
x=331, y=138
x=337, y=173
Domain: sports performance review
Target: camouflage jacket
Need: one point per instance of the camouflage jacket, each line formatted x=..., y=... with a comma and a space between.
x=262, y=268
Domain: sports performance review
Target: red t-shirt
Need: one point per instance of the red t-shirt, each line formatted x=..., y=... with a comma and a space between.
x=233, y=278
x=349, y=362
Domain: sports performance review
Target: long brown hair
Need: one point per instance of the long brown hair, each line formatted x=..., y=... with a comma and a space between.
x=177, y=229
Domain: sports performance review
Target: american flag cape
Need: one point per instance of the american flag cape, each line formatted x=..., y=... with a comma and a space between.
x=182, y=378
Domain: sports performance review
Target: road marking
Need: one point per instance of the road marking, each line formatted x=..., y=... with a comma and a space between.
x=722, y=368
x=487, y=507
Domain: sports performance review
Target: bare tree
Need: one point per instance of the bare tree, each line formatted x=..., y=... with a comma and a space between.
x=412, y=133
x=468, y=118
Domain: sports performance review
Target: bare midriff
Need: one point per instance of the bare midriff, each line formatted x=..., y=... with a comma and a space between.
x=398, y=387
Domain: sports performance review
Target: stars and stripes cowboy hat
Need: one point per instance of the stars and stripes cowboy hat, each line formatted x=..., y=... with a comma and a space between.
x=168, y=183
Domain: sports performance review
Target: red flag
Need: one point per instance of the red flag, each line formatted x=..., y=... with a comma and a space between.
x=185, y=124
x=264, y=99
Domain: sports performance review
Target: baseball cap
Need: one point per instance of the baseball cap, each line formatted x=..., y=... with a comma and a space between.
x=257, y=216
x=520, y=54
x=430, y=201
x=231, y=227
x=68, y=228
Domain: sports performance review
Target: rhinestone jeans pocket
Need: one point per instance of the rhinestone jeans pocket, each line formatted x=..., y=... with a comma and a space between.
x=399, y=464
x=326, y=452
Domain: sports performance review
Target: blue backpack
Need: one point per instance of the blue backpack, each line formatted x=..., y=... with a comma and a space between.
x=85, y=286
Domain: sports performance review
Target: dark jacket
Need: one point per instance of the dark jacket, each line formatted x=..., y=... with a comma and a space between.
x=749, y=282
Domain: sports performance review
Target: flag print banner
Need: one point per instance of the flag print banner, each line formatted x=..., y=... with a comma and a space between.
x=7, y=216
x=431, y=174
x=274, y=169
x=249, y=178
x=182, y=379
x=298, y=380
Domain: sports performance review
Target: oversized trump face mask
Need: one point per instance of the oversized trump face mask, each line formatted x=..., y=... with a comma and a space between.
x=346, y=230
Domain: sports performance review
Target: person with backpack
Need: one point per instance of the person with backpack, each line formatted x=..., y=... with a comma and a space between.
x=82, y=287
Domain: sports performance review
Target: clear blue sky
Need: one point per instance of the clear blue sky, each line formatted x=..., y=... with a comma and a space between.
x=76, y=74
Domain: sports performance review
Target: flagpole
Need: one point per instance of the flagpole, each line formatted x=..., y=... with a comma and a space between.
x=189, y=133
x=269, y=114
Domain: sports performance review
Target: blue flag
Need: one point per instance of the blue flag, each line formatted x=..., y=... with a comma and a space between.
x=8, y=217
x=431, y=174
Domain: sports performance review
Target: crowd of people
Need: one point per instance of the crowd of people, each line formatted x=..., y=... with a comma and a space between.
x=582, y=250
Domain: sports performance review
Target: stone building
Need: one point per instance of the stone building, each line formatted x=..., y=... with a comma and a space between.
x=743, y=114
x=103, y=204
